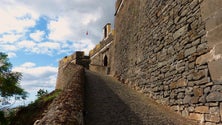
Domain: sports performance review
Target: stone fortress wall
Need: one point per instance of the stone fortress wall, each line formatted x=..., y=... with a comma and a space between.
x=64, y=76
x=171, y=51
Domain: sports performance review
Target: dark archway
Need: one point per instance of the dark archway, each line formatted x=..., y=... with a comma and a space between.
x=105, y=61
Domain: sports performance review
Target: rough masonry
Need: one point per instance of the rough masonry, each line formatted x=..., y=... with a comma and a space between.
x=64, y=73
x=170, y=50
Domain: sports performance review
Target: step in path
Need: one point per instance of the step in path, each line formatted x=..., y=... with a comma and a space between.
x=108, y=102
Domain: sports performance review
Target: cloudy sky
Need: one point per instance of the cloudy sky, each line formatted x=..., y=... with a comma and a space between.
x=37, y=33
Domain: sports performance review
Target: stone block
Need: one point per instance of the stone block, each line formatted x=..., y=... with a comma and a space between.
x=180, y=32
x=202, y=81
x=213, y=104
x=190, y=51
x=195, y=100
x=196, y=116
x=212, y=118
x=185, y=113
x=206, y=90
x=187, y=99
x=180, y=83
x=215, y=68
x=210, y=123
x=202, y=99
x=180, y=55
x=198, y=75
x=214, y=110
x=198, y=92
x=202, y=109
x=180, y=95
x=214, y=97
x=217, y=88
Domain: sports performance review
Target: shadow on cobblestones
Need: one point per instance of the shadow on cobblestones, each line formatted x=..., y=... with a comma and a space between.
x=103, y=106
x=108, y=102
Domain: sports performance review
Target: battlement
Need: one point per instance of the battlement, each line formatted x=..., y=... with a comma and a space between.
x=77, y=58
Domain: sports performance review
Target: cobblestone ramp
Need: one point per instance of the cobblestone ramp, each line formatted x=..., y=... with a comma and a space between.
x=108, y=102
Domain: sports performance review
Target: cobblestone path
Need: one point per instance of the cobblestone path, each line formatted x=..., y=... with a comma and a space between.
x=108, y=102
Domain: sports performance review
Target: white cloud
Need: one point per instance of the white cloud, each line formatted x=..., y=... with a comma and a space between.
x=91, y=17
x=37, y=77
x=28, y=65
x=60, y=29
x=49, y=45
x=8, y=47
x=67, y=21
x=37, y=35
x=10, y=38
x=17, y=17
x=84, y=45
x=11, y=55
x=26, y=44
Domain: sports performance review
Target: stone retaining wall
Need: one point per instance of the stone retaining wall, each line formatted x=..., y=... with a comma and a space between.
x=163, y=48
x=67, y=108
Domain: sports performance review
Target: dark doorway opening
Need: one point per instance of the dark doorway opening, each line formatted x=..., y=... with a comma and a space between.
x=105, y=61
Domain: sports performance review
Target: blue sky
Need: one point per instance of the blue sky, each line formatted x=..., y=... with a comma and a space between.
x=37, y=34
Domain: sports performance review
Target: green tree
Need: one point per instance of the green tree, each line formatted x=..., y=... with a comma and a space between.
x=41, y=93
x=9, y=81
x=9, y=85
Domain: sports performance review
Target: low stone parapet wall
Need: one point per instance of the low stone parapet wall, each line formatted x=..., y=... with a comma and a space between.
x=99, y=69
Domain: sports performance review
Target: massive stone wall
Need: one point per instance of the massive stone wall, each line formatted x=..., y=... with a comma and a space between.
x=163, y=49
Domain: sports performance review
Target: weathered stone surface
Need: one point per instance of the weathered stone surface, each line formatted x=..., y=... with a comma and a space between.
x=217, y=88
x=214, y=96
x=168, y=47
x=190, y=51
x=214, y=72
x=67, y=108
x=214, y=110
x=210, y=123
x=202, y=109
x=198, y=92
x=187, y=99
x=180, y=32
x=214, y=37
x=196, y=116
x=202, y=99
x=214, y=21
x=209, y=7
x=185, y=113
x=212, y=117
x=207, y=90
x=221, y=110
x=179, y=83
x=198, y=75
x=195, y=100
x=203, y=59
